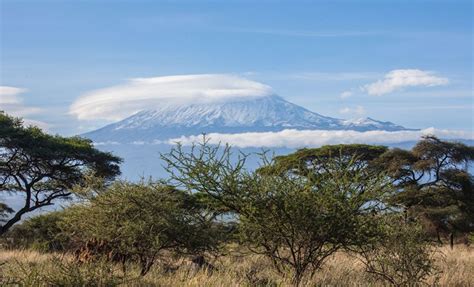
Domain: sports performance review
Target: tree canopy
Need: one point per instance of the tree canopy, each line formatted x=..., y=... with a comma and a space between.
x=314, y=162
x=432, y=179
x=45, y=167
x=293, y=218
x=434, y=182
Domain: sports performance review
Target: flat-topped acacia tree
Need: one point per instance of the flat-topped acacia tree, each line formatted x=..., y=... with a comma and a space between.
x=43, y=167
x=435, y=183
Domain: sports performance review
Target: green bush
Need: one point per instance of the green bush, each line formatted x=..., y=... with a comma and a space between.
x=401, y=255
x=41, y=233
x=138, y=222
x=470, y=238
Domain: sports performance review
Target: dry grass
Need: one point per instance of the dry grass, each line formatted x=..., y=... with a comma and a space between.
x=23, y=255
x=340, y=270
x=457, y=266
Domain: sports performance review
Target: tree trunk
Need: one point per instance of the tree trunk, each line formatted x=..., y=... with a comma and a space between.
x=297, y=278
x=16, y=218
x=451, y=240
x=439, y=236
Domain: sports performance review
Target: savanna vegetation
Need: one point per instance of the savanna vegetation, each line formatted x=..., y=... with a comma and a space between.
x=340, y=215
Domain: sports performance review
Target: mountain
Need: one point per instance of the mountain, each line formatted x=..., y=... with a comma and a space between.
x=269, y=113
x=369, y=124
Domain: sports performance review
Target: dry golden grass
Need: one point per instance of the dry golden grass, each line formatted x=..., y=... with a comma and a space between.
x=457, y=268
x=23, y=255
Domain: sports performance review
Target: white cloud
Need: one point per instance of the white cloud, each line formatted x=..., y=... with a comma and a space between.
x=106, y=143
x=315, y=138
x=10, y=91
x=117, y=102
x=357, y=110
x=9, y=95
x=12, y=103
x=346, y=94
x=399, y=79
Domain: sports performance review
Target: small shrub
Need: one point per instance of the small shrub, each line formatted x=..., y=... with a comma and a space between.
x=402, y=256
x=470, y=238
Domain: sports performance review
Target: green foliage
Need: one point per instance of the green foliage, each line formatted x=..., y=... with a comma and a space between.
x=400, y=255
x=209, y=172
x=470, y=238
x=434, y=183
x=138, y=222
x=432, y=179
x=295, y=219
x=312, y=161
x=44, y=167
x=41, y=233
x=298, y=226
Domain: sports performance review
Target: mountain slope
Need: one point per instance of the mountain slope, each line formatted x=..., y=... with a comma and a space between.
x=270, y=113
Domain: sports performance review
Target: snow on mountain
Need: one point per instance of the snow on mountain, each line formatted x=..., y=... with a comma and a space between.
x=367, y=124
x=269, y=113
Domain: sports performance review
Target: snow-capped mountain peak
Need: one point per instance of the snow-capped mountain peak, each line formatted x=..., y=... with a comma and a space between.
x=269, y=113
x=371, y=124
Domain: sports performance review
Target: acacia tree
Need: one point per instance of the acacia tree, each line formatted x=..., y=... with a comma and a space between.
x=433, y=179
x=434, y=183
x=298, y=224
x=43, y=167
x=294, y=219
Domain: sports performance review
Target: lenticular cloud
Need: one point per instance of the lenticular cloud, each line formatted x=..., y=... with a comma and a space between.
x=117, y=102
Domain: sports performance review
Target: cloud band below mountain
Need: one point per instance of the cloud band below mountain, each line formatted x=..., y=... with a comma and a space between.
x=118, y=102
x=314, y=138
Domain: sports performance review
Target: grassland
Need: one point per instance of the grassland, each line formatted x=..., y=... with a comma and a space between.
x=31, y=268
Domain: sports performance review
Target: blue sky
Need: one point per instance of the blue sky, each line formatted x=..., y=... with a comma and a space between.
x=309, y=52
